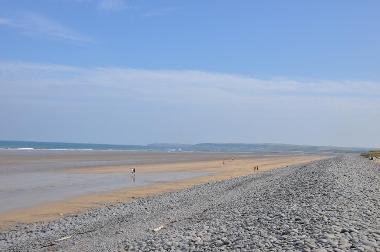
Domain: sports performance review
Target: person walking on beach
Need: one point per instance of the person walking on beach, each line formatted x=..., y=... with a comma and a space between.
x=133, y=175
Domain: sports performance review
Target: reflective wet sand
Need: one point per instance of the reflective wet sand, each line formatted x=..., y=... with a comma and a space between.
x=42, y=185
x=32, y=189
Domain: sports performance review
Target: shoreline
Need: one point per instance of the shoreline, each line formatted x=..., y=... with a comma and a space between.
x=240, y=166
x=301, y=207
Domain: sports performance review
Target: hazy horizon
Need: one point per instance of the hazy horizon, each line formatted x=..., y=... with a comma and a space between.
x=174, y=143
x=141, y=72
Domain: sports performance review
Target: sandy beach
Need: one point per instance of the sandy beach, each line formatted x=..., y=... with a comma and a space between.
x=44, y=185
x=302, y=207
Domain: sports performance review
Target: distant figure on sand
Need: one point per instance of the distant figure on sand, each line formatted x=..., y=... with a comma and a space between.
x=133, y=174
x=256, y=168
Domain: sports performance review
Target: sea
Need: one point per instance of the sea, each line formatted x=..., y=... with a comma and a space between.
x=267, y=148
x=31, y=145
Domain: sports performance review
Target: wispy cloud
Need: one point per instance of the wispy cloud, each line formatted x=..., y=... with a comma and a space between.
x=160, y=11
x=112, y=5
x=119, y=5
x=184, y=105
x=4, y=21
x=33, y=24
x=183, y=85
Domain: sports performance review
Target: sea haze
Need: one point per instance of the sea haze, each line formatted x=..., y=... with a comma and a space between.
x=201, y=147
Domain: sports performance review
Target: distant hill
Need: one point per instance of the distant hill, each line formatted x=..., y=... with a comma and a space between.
x=255, y=148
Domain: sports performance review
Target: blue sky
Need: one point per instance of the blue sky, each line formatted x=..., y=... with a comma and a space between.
x=136, y=72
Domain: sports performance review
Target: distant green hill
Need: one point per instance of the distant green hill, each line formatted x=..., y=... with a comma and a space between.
x=255, y=148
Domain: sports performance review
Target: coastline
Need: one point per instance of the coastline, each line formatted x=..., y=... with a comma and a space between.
x=214, y=168
x=300, y=207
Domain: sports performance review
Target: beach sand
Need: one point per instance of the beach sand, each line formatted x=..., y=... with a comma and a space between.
x=216, y=167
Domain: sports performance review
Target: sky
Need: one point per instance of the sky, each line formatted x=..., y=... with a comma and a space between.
x=139, y=72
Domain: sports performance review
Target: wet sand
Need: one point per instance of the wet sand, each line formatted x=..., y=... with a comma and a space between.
x=156, y=173
x=32, y=189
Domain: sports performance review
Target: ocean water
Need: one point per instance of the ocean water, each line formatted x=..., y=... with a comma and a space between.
x=201, y=147
x=30, y=145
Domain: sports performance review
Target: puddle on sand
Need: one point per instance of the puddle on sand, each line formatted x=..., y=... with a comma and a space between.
x=32, y=189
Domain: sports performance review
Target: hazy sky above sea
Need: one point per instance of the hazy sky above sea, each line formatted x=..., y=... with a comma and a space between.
x=138, y=72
